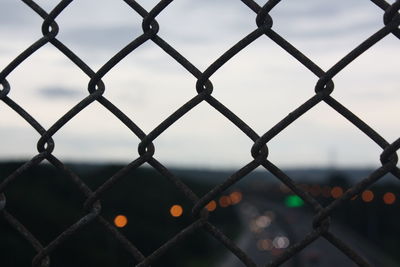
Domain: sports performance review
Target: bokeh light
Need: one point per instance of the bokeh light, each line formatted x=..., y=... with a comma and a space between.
x=270, y=214
x=263, y=221
x=280, y=242
x=293, y=201
x=367, y=196
x=254, y=227
x=211, y=206
x=264, y=244
x=224, y=201
x=120, y=221
x=389, y=198
x=235, y=197
x=176, y=211
x=337, y=192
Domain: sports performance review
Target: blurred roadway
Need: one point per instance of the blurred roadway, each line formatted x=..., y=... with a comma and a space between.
x=271, y=227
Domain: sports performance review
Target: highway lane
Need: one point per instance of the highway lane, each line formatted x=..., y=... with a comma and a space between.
x=272, y=227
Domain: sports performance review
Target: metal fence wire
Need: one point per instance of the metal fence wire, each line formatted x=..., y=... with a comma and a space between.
x=204, y=87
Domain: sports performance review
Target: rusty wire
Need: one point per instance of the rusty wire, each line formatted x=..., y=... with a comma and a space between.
x=146, y=150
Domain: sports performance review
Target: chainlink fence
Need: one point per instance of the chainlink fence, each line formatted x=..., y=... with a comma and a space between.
x=204, y=88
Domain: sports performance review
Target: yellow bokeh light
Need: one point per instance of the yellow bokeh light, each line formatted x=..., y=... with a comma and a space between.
x=120, y=221
x=176, y=211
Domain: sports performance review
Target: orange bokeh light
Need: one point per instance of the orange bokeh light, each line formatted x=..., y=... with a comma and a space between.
x=367, y=196
x=224, y=201
x=211, y=206
x=120, y=221
x=389, y=198
x=235, y=197
x=337, y=192
x=176, y=211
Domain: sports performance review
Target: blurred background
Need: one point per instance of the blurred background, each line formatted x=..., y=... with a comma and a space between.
x=322, y=151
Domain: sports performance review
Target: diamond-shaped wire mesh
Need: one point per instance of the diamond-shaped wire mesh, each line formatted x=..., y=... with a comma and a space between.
x=204, y=87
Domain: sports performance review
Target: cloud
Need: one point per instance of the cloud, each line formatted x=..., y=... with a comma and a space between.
x=321, y=19
x=58, y=92
x=13, y=14
x=97, y=39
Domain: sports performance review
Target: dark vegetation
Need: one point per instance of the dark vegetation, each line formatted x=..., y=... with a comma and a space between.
x=47, y=203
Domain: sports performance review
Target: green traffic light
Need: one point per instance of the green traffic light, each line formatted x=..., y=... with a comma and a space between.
x=293, y=201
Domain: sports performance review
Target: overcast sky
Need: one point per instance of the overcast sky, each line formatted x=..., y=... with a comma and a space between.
x=262, y=84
